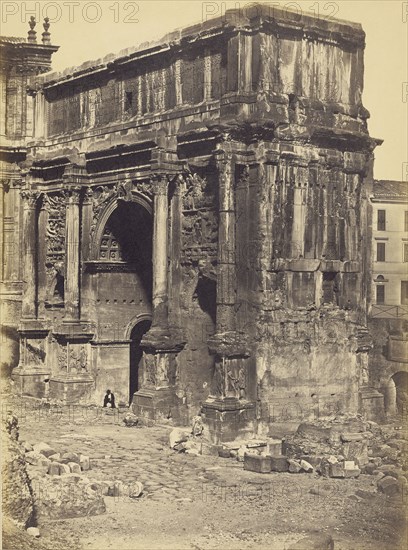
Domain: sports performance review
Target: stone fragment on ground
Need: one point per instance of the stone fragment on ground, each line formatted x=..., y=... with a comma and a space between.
x=351, y=470
x=33, y=532
x=74, y=467
x=55, y=457
x=336, y=470
x=294, y=466
x=44, y=449
x=84, y=463
x=315, y=541
x=70, y=457
x=389, y=486
x=66, y=496
x=136, y=489
x=131, y=420
x=306, y=466
x=257, y=463
x=279, y=464
x=177, y=436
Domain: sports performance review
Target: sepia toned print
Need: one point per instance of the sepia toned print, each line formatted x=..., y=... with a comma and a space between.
x=204, y=280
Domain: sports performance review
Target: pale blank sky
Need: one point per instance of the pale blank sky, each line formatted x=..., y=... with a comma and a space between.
x=122, y=24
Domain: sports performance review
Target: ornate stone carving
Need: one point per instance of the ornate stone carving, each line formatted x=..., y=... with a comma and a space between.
x=62, y=358
x=236, y=379
x=55, y=234
x=78, y=359
x=101, y=196
x=35, y=354
x=109, y=249
x=194, y=192
x=30, y=198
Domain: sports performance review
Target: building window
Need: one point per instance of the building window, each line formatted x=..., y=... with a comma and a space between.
x=404, y=293
x=405, y=253
x=380, y=294
x=381, y=220
x=380, y=252
x=406, y=221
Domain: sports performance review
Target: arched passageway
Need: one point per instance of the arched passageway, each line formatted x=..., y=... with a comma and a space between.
x=122, y=286
x=136, y=357
x=396, y=394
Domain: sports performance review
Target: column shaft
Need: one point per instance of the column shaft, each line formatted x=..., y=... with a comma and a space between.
x=30, y=259
x=160, y=267
x=226, y=287
x=72, y=258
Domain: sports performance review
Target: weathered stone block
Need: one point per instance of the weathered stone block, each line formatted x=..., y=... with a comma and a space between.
x=315, y=541
x=224, y=453
x=274, y=447
x=336, y=470
x=389, y=486
x=55, y=457
x=43, y=449
x=84, y=462
x=279, y=464
x=69, y=457
x=64, y=469
x=306, y=466
x=257, y=463
x=351, y=469
x=74, y=467
x=54, y=469
x=294, y=466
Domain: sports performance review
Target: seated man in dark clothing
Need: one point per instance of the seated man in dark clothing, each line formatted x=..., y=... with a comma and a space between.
x=109, y=400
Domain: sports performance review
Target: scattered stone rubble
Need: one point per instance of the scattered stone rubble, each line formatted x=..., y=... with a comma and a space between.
x=341, y=447
x=61, y=488
x=190, y=441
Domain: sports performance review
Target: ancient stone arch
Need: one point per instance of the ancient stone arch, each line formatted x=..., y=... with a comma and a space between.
x=107, y=211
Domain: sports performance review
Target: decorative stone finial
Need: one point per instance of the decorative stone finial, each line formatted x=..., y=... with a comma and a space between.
x=31, y=33
x=46, y=35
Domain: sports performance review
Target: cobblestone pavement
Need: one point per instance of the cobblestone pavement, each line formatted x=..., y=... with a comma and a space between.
x=199, y=502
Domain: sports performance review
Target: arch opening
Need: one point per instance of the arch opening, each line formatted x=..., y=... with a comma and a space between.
x=396, y=394
x=136, y=357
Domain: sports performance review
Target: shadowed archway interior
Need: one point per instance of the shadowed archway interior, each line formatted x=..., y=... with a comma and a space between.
x=136, y=355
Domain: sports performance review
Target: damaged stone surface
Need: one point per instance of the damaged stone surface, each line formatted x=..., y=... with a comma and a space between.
x=17, y=494
x=66, y=496
x=220, y=265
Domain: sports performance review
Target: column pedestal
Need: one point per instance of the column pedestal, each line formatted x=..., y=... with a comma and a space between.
x=228, y=419
x=157, y=399
x=228, y=414
x=30, y=375
x=72, y=388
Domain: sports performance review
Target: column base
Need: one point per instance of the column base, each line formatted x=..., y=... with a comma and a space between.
x=156, y=404
x=30, y=381
x=228, y=419
x=72, y=389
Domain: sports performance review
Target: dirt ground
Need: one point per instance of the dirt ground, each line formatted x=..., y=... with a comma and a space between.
x=199, y=502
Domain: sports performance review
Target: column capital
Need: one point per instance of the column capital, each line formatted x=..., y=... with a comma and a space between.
x=88, y=195
x=73, y=194
x=30, y=198
x=160, y=183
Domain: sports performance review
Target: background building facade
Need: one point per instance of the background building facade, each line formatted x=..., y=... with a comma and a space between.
x=389, y=294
